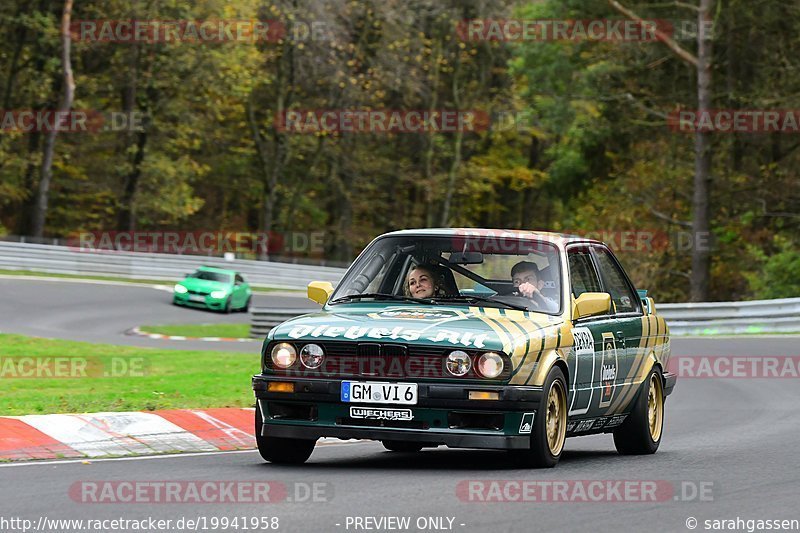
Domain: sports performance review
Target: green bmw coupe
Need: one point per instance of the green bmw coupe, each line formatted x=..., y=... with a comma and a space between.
x=469, y=338
x=213, y=288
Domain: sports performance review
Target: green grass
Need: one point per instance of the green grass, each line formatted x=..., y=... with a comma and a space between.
x=201, y=330
x=161, y=379
x=121, y=279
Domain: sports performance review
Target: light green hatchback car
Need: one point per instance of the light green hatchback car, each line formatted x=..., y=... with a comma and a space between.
x=214, y=288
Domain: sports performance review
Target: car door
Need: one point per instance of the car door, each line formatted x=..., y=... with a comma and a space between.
x=627, y=330
x=593, y=356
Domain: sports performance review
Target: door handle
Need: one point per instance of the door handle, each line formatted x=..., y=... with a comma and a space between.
x=621, y=338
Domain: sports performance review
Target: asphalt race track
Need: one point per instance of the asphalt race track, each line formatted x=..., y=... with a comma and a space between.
x=730, y=449
x=103, y=313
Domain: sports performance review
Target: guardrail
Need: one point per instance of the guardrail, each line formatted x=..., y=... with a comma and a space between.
x=262, y=319
x=168, y=267
x=711, y=318
x=719, y=318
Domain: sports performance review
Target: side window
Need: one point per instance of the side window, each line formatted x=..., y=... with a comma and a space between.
x=582, y=274
x=615, y=281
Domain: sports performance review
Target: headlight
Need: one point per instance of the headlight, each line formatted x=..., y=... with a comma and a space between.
x=218, y=294
x=458, y=363
x=284, y=355
x=490, y=365
x=180, y=289
x=311, y=355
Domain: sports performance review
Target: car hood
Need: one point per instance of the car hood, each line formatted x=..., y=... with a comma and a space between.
x=468, y=328
x=204, y=285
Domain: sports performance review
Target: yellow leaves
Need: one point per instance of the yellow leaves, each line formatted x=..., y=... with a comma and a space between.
x=587, y=106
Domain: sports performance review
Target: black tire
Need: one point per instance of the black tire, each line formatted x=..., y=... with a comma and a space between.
x=227, y=309
x=246, y=307
x=545, y=452
x=640, y=434
x=401, y=446
x=282, y=451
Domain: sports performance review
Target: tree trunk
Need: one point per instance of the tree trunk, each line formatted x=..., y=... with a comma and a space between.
x=701, y=209
x=451, y=178
x=126, y=216
x=457, y=142
x=40, y=213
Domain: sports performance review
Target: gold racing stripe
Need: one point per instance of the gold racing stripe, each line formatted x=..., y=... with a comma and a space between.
x=622, y=401
x=534, y=330
x=645, y=369
x=545, y=360
x=515, y=331
x=501, y=334
x=641, y=353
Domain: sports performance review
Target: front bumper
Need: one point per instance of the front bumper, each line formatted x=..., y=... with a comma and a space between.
x=443, y=414
x=208, y=301
x=669, y=382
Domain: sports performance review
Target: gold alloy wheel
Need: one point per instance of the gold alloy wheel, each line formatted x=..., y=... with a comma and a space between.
x=655, y=407
x=556, y=417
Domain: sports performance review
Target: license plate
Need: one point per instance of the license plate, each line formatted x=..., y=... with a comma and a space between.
x=196, y=298
x=379, y=392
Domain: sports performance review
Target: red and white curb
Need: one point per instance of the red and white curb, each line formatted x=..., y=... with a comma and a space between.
x=118, y=434
x=140, y=333
x=99, y=435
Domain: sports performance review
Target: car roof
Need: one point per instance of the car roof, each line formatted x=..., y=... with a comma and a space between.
x=216, y=269
x=546, y=236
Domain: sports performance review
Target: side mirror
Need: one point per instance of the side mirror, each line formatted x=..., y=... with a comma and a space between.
x=590, y=304
x=320, y=291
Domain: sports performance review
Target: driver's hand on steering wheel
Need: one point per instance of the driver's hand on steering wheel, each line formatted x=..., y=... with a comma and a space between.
x=528, y=290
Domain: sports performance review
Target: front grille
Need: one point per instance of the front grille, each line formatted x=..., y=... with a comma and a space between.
x=291, y=411
x=201, y=293
x=380, y=360
x=466, y=420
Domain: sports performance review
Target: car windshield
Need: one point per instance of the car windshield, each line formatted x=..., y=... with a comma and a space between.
x=518, y=273
x=211, y=276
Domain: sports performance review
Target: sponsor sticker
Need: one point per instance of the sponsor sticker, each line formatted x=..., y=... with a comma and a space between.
x=608, y=370
x=526, y=425
x=415, y=314
x=370, y=413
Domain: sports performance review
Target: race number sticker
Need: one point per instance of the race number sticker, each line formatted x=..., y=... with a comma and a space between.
x=608, y=370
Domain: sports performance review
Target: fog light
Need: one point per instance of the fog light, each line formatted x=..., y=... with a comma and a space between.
x=280, y=386
x=284, y=355
x=483, y=395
